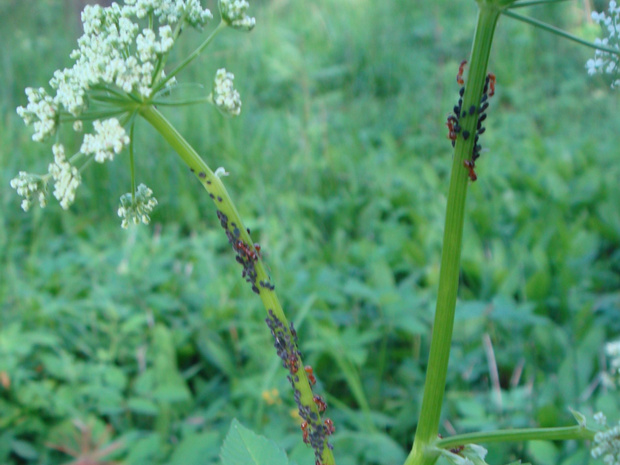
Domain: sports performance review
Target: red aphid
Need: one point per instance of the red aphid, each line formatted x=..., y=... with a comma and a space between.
x=310, y=375
x=293, y=363
x=320, y=403
x=491, y=84
x=304, y=432
x=470, y=165
x=459, y=76
x=329, y=427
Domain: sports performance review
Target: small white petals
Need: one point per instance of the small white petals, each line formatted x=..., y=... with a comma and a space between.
x=221, y=172
x=613, y=351
x=32, y=188
x=110, y=138
x=78, y=126
x=136, y=209
x=234, y=14
x=41, y=110
x=606, y=444
x=605, y=62
x=224, y=95
x=600, y=418
x=66, y=177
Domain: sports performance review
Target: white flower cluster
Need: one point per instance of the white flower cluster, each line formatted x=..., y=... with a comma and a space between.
x=613, y=351
x=30, y=187
x=136, y=209
x=41, y=110
x=111, y=51
x=234, y=14
x=606, y=443
x=110, y=138
x=66, y=177
x=605, y=62
x=224, y=95
x=171, y=11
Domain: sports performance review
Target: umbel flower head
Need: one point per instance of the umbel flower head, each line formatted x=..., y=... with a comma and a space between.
x=224, y=95
x=234, y=14
x=605, y=62
x=136, y=208
x=118, y=70
x=606, y=443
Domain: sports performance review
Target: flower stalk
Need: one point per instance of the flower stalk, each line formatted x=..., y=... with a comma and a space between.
x=254, y=271
x=423, y=451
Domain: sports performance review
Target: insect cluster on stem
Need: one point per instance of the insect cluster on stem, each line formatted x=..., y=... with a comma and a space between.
x=456, y=119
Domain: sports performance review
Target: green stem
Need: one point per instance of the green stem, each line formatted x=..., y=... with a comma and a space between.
x=518, y=435
x=224, y=204
x=428, y=425
x=191, y=57
x=560, y=32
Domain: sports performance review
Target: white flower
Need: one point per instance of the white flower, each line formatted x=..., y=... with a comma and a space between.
x=78, y=126
x=613, y=351
x=170, y=11
x=605, y=62
x=136, y=209
x=234, y=14
x=109, y=140
x=31, y=187
x=41, y=110
x=606, y=443
x=224, y=95
x=66, y=177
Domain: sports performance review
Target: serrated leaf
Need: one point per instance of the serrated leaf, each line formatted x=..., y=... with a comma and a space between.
x=243, y=447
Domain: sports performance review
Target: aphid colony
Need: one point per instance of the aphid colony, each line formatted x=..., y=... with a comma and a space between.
x=457, y=118
x=313, y=431
x=285, y=338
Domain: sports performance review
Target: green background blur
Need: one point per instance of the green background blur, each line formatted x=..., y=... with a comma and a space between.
x=339, y=164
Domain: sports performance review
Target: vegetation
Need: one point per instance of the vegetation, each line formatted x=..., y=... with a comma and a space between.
x=339, y=163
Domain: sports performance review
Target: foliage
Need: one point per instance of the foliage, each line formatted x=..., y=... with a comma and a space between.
x=341, y=162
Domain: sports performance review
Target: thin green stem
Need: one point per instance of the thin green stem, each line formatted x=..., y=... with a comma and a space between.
x=560, y=32
x=423, y=451
x=237, y=231
x=535, y=3
x=191, y=57
x=518, y=435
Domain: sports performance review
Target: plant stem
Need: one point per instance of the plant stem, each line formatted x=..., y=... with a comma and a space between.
x=517, y=435
x=224, y=204
x=192, y=56
x=428, y=425
x=560, y=32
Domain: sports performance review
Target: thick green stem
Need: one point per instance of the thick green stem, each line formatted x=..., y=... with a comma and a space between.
x=565, y=433
x=423, y=451
x=224, y=204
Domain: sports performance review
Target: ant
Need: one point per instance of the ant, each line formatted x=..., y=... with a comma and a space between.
x=304, y=431
x=459, y=77
x=293, y=363
x=491, y=84
x=329, y=427
x=470, y=165
x=310, y=374
x=320, y=403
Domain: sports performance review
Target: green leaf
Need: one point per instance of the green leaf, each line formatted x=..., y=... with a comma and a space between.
x=196, y=449
x=24, y=449
x=142, y=406
x=243, y=447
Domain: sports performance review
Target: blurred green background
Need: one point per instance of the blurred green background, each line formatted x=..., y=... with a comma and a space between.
x=339, y=164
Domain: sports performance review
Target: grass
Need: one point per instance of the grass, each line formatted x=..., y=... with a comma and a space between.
x=340, y=164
